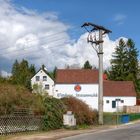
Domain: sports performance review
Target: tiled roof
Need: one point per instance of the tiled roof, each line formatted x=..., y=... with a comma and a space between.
x=69, y=76
x=119, y=88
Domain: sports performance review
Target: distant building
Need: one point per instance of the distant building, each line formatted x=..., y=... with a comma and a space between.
x=83, y=84
x=42, y=83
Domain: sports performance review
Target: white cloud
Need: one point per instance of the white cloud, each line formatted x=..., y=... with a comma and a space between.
x=120, y=18
x=43, y=39
x=5, y=74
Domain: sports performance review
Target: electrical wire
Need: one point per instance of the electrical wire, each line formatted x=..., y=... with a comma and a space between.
x=44, y=37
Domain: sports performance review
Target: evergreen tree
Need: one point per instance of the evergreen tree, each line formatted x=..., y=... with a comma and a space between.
x=133, y=66
x=132, y=59
x=22, y=73
x=32, y=70
x=119, y=62
x=124, y=65
x=87, y=65
x=15, y=71
x=52, y=74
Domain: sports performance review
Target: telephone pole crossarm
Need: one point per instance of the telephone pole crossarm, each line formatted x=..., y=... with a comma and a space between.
x=96, y=27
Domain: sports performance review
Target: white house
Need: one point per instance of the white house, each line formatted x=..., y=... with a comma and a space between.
x=83, y=84
x=42, y=83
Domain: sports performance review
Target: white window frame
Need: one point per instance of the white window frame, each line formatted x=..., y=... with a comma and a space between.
x=45, y=79
x=47, y=86
x=38, y=78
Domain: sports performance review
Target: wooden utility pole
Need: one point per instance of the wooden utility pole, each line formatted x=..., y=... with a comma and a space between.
x=98, y=46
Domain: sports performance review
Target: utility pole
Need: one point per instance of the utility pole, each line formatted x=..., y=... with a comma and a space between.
x=97, y=44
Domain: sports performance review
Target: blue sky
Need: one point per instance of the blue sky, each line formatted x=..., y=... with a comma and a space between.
x=49, y=31
x=120, y=16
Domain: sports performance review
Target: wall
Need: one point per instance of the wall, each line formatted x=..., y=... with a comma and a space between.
x=49, y=81
x=128, y=101
x=131, y=109
x=89, y=94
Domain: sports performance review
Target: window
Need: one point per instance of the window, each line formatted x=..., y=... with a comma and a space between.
x=122, y=101
x=113, y=104
x=47, y=86
x=107, y=101
x=37, y=78
x=44, y=78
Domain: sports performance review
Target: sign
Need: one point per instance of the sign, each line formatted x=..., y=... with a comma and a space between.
x=62, y=95
x=77, y=88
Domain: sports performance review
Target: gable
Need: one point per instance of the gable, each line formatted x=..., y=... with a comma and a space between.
x=42, y=73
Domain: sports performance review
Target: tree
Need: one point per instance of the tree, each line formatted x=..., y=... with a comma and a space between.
x=38, y=88
x=133, y=66
x=52, y=74
x=87, y=65
x=22, y=73
x=32, y=69
x=124, y=64
x=119, y=62
x=15, y=70
x=133, y=58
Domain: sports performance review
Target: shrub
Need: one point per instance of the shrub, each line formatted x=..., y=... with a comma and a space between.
x=83, y=113
x=14, y=97
x=54, y=110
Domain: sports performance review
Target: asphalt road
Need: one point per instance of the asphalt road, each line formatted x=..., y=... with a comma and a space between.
x=130, y=132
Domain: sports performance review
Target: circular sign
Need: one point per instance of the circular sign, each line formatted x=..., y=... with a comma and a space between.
x=77, y=88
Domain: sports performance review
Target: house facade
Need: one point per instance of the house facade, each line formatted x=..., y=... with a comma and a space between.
x=83, y=84
x=42, y=83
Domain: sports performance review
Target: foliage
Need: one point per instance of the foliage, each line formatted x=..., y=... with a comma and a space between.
x=14, y=97
x=3, y=80
x=54, y=110
x=38, y=88
x=119, y=62
x=138, y=88
x=124, y=64
x=87, y=65
x=22, y=73
x=52, y=74
x=82, y=112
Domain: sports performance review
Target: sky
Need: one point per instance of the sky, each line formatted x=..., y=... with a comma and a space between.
x=49, y=31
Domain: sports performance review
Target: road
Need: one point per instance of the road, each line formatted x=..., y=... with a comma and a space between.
x=129, y=132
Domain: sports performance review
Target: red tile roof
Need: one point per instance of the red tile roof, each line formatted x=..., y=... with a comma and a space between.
x=69, y=76
x=119, y=88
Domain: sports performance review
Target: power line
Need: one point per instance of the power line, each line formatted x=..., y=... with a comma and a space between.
x=24, y=49
x=43, y=37
x=41, y=49
x=14, y=51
